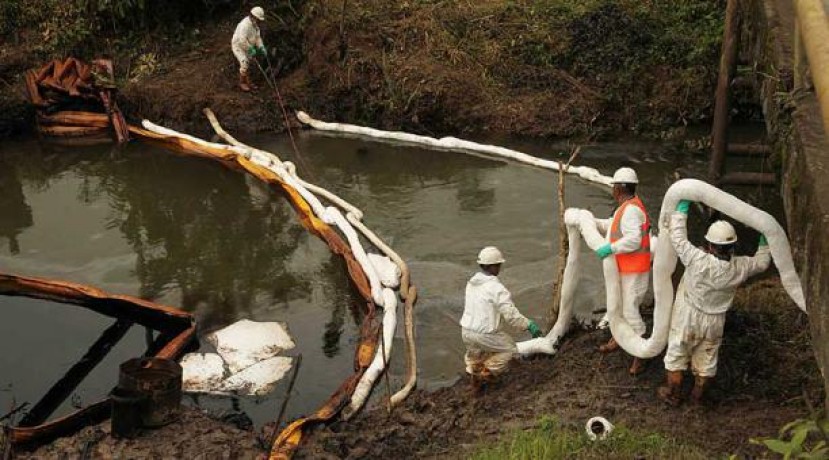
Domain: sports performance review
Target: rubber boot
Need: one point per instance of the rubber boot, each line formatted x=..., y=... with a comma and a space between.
x=611, y=345
x=698, y=392
x=637, y=366
x=244, y=83
x=477, y=380
x=670, y=392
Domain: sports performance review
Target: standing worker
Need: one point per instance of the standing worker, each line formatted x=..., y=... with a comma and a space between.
x=628, y=239
x=247, y=44
x=705, y=293
x=489, y=348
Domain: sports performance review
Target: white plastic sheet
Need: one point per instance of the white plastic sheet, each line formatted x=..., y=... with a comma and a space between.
x=258, y=379
x=246, y=342
x=202, y=372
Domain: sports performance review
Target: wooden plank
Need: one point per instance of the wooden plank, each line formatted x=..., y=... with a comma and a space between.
x=722, y=106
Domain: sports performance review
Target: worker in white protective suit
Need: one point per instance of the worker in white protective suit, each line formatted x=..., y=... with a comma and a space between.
x=488, y=347
x=705, y=293
x=628, y=240
x=247, y=44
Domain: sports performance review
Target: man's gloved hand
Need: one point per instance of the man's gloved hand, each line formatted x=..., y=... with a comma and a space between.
x=535, y=331
x=763, y=241
x=604, y=251
x=683, y=206
x=262, y=51
x=251, y=51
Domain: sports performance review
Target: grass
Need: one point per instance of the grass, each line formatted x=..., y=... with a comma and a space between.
x=552, y=439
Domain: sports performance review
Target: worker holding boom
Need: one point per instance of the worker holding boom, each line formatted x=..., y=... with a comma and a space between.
x=247, y=44
x=488, y=347
x=628, y=241
x=705, y=293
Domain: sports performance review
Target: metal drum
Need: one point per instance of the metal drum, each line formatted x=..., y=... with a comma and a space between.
x=158, y=381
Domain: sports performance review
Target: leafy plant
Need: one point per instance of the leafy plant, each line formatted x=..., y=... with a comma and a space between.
x=802, y=438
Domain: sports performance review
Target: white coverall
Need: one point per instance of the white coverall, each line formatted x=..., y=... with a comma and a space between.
x=487, y=345
x=246, y=34
x=705, y=293
x=634, y=285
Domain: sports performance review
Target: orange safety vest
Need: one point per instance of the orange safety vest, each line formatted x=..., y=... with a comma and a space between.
x=638, y=261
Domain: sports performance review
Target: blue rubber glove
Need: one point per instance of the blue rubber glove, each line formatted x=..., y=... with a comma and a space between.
x=683, y=206
x=535, y=331
x=763, y=241
x=604, y=251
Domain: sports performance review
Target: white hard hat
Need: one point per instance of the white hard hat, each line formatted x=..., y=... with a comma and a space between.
x=625, y=176
x=721, y=232
x=490, y=255
x=258, y=13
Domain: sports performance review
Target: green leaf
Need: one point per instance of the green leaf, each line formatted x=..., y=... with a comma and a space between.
x=778, y=446
x=799, y=435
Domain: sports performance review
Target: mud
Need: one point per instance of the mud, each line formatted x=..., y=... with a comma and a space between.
x=195, y=435
x=766, y=371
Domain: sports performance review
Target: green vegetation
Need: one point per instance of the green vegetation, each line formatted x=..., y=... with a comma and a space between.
x=553, y=439
x=542, y=67
x=538, y=68
x=83, y=27
x=801, y=438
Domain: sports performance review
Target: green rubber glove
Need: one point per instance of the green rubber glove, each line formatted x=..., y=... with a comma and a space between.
x=683, y=206
x=251, y=51
x=763, y=241
x=604, y=251
x=535, y=331
x=262, y=51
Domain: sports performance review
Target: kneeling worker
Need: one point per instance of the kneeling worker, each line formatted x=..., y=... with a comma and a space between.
x=705, y=293
x=489, y=348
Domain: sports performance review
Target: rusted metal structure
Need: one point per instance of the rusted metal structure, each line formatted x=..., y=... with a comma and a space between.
x=177, y=329
x=76, y=100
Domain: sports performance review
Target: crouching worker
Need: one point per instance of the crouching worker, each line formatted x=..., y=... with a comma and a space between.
x=705, y=293
x=488, y=347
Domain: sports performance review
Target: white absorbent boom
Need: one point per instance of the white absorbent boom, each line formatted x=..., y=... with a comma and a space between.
x=582, y=225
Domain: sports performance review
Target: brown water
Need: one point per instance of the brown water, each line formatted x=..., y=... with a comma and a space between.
x=192, y=234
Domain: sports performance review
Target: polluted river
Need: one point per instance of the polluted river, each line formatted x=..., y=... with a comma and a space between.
x=192, y=234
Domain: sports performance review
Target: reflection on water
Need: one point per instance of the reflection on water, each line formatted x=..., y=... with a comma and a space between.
x=15, y=214
x=191, y=233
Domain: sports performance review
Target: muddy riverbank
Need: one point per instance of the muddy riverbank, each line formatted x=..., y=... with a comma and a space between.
x=431, y=68
x=767, y=372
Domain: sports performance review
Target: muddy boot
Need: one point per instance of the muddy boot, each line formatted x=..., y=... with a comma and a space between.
x=611, y=345
x=244, y=83
x=637, y=366
x=698, y=391
x=670, y=392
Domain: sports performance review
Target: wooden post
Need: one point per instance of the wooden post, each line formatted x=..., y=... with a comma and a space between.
x=563, y=242
x=719, y=135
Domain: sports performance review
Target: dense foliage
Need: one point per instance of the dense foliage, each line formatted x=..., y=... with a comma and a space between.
x=81, y=27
